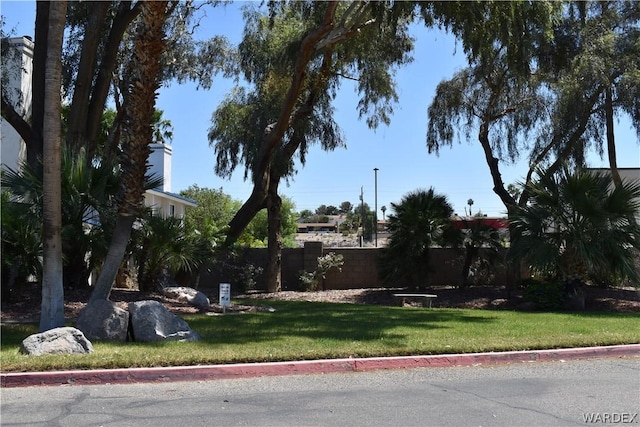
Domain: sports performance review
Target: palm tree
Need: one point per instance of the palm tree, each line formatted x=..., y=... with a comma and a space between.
x=422, y=219
x=87, y=190
x=52, y=306
x=167, y=247
x=21, y=243
x=383, y=209
x=162, y=128
x=478, y=235
x=577, y=226
x=137, y=133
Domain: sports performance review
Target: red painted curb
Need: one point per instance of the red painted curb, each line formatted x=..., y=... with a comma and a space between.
x=248, y=370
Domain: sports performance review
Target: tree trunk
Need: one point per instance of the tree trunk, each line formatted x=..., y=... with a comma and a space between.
x=76, y=137
x=256, y=202
x=273, y=133
x=52, y=308
x=136, y=135
x=492, y=162
x=611, y=144
x=273, y=274
x=117, y=249
x=38, y=86
x=124, y=16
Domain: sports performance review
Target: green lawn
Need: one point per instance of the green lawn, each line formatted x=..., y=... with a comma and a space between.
x=305, y=330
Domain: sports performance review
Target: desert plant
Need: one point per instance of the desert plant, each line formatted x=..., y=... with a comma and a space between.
x=166, y=246
x=546, y=294
x=311, y=280
x=422, y=219
x=578, y=225
x=478, y=235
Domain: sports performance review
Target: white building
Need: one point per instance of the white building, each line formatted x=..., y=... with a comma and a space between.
x=18, y=72
x=13, y=148
x=162, y=200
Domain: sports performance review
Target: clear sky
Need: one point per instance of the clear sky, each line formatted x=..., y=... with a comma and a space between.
x=398, y=151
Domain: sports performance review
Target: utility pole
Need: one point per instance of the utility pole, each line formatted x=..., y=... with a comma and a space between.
x=362, y=215
x=375, y=215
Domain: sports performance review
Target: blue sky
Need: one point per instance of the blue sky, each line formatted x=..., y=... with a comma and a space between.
x=398, y=151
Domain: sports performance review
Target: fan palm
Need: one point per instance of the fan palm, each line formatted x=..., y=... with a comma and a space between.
x=422, y=219
x=577, y=226
x=478, y=235
x=167, y=246
x=87, y=191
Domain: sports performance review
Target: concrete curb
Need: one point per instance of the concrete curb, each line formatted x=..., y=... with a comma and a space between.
x=248, y=370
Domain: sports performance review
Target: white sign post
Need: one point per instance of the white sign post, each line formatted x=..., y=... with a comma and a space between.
x=225, y=296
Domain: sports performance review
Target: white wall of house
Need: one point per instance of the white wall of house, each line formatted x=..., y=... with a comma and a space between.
x=12, y=147
x=166, y=204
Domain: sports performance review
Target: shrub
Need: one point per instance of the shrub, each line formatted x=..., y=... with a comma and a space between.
x=311, y=280
x=546, y=294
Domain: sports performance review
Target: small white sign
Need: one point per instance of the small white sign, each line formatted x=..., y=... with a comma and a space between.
x=225, y=294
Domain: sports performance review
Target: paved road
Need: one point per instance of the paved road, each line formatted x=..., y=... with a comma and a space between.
x=540, y=394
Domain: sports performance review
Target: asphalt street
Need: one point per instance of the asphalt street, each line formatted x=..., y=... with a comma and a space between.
x=581, y=392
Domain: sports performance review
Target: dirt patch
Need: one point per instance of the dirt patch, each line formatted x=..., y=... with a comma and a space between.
x=25, y=306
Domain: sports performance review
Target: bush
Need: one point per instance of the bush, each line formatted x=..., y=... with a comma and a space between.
x=546, y=294
x=311, y=280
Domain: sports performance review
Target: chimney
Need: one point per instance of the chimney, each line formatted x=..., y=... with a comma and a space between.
x=160, y=164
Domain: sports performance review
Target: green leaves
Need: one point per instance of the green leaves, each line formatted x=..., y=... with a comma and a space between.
x=422, y=219
x=577, y=224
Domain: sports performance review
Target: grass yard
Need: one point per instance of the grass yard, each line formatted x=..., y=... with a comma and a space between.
x=307, y=330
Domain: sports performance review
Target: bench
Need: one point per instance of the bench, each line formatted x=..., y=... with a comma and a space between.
x=424, y=297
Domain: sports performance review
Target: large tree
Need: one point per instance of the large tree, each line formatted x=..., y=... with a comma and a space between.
x=52, y=309
x=96, y=30
x=295, y=61
x=137, y=132
x=550, y=102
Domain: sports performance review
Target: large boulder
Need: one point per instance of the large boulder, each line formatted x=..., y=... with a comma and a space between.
x=57, y=341
x=189, y=295
x=104, y=320
x=151, y=321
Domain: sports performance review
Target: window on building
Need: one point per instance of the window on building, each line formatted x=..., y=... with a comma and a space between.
x=172, y=210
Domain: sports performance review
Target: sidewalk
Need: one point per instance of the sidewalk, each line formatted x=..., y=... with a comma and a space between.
x=248, y=370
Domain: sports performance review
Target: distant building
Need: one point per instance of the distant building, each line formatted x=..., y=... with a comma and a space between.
x=331, y=226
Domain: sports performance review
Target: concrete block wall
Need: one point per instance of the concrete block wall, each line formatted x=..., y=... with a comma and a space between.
x=359, y=269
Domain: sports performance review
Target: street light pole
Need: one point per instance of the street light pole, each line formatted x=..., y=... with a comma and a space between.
x=362, y=215
x=375, y=216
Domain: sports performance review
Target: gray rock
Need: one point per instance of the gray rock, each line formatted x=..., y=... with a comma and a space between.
x=57, y=341
x=151, y=321
x=189, y=295
x=104, y=320
x=499, y=303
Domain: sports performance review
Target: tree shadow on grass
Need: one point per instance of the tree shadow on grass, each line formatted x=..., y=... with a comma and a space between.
x=325, y=321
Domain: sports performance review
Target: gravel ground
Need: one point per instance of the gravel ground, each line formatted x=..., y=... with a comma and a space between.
x=26, y=305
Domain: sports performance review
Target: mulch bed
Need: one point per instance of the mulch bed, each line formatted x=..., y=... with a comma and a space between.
x=25, y=305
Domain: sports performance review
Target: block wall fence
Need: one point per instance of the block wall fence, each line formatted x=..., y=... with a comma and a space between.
x=359, y=269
